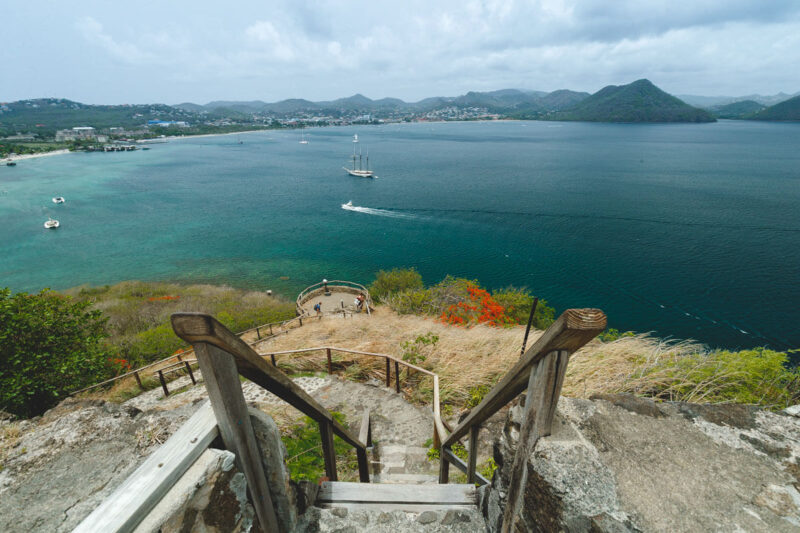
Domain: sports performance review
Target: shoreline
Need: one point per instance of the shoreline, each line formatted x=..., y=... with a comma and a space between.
x=22, y=157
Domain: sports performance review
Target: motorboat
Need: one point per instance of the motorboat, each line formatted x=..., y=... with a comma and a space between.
x=58, y=200
x=51, y=224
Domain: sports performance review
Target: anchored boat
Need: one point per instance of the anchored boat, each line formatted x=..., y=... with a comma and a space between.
x=58, y=200
x=359, y=172
x=51, y=224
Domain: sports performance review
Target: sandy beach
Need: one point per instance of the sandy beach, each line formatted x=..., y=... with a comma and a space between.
x=32, y=156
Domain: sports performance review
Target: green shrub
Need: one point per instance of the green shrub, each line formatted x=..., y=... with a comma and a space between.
x=394, y=281
x=412, y=351
x=304, y=450
x=50, y=345
x=758, y=376
x=476, y=395
x=611, y=334
x=518, y=302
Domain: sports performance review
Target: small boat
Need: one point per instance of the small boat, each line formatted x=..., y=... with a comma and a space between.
x=51, y=224
x=303, y=139
x=145, y=148
x=58, y=200
x=11, y=164
x=348, y=205
x=355, y=138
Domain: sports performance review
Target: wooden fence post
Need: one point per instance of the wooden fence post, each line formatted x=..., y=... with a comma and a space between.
x=330, y=363
x=328, y=451
x=397, y=376
x=544, y=388
x=138, y=379
x=473, y=453
x=227, y=400
x=388, y=373
x=270, y=330
x=272, y=358
x=163, y=383
x=189, y=369
x=258, y=332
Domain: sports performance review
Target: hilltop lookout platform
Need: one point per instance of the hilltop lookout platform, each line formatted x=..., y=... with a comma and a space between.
x=336, y=296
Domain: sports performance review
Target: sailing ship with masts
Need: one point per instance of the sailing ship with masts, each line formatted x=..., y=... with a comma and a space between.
x=360, y=171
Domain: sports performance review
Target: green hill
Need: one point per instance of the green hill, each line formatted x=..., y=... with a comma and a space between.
x=640, y=101
x=784, y=111
x=742, y=109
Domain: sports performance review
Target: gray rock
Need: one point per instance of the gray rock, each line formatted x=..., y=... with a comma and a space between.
x=427, y=517
x=614, y=464
x=793, y=410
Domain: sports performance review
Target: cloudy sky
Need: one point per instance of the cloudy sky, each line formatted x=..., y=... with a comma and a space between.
x=173, y=51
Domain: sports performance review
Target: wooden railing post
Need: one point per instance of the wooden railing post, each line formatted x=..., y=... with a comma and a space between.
x=138, y=380
x=330, y=362
x=397, y=376
x=388, y=373
x=473, y=453
x=191, y=374
x=270, y=329
x=258, y=332
x=328, y=451
x=544, y=388
x=225, y=392
x=444, y=468
x=272, y=358
x=163, y=383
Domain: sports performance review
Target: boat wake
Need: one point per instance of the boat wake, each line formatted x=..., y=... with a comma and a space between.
x=377, y=212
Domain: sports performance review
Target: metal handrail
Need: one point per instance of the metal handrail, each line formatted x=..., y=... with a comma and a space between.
x=308, y=291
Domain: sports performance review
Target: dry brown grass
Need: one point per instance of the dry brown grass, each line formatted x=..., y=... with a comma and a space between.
x=465, y=358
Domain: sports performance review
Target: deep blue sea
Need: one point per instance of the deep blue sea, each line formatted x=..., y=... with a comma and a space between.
x=689, y=231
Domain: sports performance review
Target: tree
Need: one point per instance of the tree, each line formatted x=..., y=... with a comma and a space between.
x=49, y=346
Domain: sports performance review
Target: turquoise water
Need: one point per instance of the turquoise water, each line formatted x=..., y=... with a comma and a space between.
x=690, y=231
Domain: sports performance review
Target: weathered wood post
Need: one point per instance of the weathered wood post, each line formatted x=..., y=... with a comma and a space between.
x=163, y=383
x=258, y=332
x=270, y=330
x=272, y=358
x=138, y=379
x=330, y=362
x=397, y=376
x=388, y=373
x=328, y=451
x=473, y=453
x=227, y=400
x=189, y=369
x=544, y=388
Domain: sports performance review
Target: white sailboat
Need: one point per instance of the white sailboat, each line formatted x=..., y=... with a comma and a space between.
x=303, y=139
x=360, y=172
x=355, y=138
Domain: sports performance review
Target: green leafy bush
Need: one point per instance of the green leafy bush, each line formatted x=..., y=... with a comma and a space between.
x=50, y=345
x=394, y=281
x=758, y=376
x=518, y=302
x=412, y=351
x=304, y=450
x=611, y=334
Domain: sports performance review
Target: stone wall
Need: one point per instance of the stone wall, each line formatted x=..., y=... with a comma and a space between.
x=619, y=463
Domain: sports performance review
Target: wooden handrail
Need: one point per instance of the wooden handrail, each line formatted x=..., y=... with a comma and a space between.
x=197, y=328
x=135, y=372
x=573, y=329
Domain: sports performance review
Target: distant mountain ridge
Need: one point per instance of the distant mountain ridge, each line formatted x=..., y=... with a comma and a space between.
x=787, y=111
x=640, y=101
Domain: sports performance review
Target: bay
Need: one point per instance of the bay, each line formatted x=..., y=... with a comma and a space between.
x=686, y=230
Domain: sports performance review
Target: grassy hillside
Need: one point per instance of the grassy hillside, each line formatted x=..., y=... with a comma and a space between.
x=743, y=109
x=784, y=111
x=45, y=116
x=640, y=101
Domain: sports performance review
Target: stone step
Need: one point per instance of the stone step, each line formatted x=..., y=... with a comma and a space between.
x=341, y=519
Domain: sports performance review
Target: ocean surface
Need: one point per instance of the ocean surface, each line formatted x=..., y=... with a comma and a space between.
x=689, y=231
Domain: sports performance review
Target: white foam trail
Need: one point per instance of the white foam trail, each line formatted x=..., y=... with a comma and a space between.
x=376, y=212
